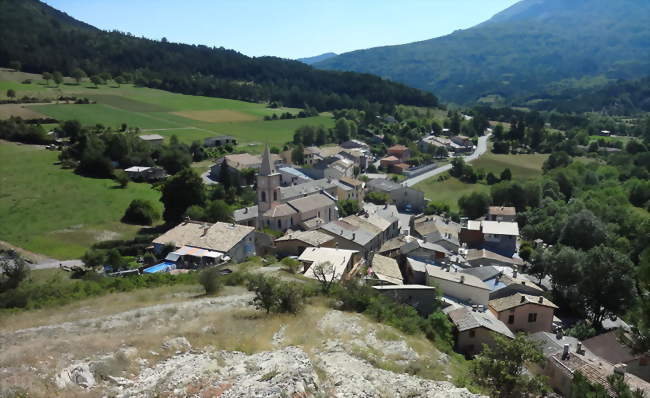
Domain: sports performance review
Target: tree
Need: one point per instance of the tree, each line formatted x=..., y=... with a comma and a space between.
x=13, y=270
x=11, y=93
x=209, y=279
x=218, y=211
x=474, y=205
x=581, y=387
x=501, y=369
x=15, y=65
x=141, y=212
x=491, y=179
x=298, y=155
x=326, y=274
x=606, y=285
x=348, y=207
x=175, y=158
x=506, y=175
x=180, y=192
x=94, y=258
x=557, y=160
x=342, y=129
x=122, y=178
x=224, y=175
x=378, y=198
x=78, y=74
x=583, y=230
x=47, y=76
x=57, y=77
x=96, y=80
x=119, y=81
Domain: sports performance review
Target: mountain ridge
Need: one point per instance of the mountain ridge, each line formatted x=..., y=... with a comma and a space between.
x=518, y=52
x=317, y=58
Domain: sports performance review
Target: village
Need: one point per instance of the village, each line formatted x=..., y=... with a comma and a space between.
x=468, y=268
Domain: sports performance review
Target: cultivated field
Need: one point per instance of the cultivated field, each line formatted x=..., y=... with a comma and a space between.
x=189, y=117
x=523, y=167
x=52, y=211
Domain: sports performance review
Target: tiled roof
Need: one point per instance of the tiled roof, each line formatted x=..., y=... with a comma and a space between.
x=311, y=203
x=467, y=319
x=294, y=191
x=339, y=259
x=219, y=236
x=314, y=238
x=246, y=213
x=455, y=277
x=280, y=210
x=487, y=255
x=519, y=299
x=382, y=184
x=502, y=211
x=608, y=347
x=419, y=244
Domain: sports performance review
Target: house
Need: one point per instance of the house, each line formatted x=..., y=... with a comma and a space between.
x=138, y=173
x=153, y=139
x=462, y=287
x=356, y=156
x=611, y=348
x=502, y=213
x=415, y=272
x=343, y=262
x=403, y=197
x=474, y=327
x=291, y=176
x=400, y=152
x=238, y=163
x=311, y=155
x=484, y=258
x=219, y=141
x=423, y=298
x=348, y=188
x=437, y=229
x=295, y=242
x=339, y=169
x=605, y=133
x=524, y=313
x=391, y=248
x=355, y=144
x=388, y=161
x=246, y=216
x=462, y=141
x=430, y=253
x=502, y=284
x=218, y=239
x=361, y=233
x=499, y=237
x=384, y=271
x=323, y=186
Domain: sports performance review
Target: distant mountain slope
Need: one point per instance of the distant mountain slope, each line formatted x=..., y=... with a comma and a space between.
x=317, y=58
x=44, y=39
x=522, y=50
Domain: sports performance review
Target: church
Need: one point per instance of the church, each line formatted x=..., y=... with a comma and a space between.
x=282, y=208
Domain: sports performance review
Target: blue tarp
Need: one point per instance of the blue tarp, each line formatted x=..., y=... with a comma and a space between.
x=162, y=267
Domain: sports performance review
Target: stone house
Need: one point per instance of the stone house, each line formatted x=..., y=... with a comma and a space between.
x=474, y=327
x=524, y=313
x=403, y=197
x=462, y=287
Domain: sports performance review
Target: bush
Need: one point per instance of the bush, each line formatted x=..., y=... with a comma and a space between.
x=292, y=265
x=274, y=295
x=209, y=279
x=121, y=178
x=141, y=212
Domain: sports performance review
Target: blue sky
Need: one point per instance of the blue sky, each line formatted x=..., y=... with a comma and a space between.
x=285, y=28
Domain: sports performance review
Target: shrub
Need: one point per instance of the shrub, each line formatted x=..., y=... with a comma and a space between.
x=121, y=178
x=274, y=295
x=292, y=265
x=141, y=212
x=209, y=279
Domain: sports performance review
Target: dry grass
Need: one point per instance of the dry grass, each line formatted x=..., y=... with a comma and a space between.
x=218, y=116
x=8, y=110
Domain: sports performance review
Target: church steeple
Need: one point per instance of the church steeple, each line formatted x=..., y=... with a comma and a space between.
x=267, y=168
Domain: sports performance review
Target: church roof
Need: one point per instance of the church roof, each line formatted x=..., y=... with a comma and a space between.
x=267, y=168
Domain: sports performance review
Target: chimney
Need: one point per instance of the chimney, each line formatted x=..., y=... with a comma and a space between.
x=579, y=348
x=620, y=369
x=523, y=299
x=354, y=235
x=541, y=299
x=462, y=279
x=514, y=274
x=245, y=210
x=559, y=335
x=565, y=353
x=523, y=283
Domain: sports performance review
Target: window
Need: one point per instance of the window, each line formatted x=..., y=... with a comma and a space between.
x=532, y=318
x=263, y=196
x=279, y=224
x=511, y=319
x=275, y=195
x=472, y=333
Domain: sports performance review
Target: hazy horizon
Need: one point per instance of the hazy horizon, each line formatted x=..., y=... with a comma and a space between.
x=298, y=29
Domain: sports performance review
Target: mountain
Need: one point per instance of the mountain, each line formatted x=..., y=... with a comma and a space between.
x=45, y=39
x=317, y=58
x=535, y=46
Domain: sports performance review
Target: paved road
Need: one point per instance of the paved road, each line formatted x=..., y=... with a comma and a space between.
x=481, y=148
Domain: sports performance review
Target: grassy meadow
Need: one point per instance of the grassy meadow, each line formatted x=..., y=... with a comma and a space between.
x=189, y=117
x=52, y=211
x=523, y=167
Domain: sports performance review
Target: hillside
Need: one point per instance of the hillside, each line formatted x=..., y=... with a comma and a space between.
x=43, y=39
x=317, y=58
x=536, y=46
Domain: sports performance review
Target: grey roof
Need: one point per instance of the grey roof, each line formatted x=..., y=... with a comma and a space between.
x=267, y=168
x=417, y=244
x=382, y=184
x=294, y=191
x=467, y=319
x=483, y=273
x=386, y=269
x=416, y=265
x=352, y=228
x=246, y=213
x=281, y=210
x=311, y=203
x=550, y=344
x=387, y=212
x=314, y=238
x=218, y=236
x=151, y=137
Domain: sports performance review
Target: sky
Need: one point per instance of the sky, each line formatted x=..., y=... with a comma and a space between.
x=285, y=28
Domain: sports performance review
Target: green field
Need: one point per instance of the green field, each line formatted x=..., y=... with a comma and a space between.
x=523, y=167
x=52, y=211
x=189, y=117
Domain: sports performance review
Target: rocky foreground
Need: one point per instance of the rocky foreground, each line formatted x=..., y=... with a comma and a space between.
x=342, y=355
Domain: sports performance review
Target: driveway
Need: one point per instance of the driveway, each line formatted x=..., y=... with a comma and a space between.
x=481, y=148
x=207, y=180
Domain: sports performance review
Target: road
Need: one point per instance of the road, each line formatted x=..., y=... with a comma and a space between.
x=481, y=148
x=56, y=263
